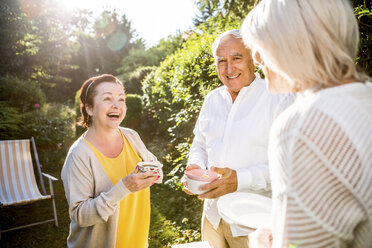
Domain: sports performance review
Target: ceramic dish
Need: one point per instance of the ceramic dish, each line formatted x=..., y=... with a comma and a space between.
x=246, y=210
x=198, y=177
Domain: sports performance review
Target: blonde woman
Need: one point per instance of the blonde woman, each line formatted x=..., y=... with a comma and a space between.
x=109, y=201
x=320, y=148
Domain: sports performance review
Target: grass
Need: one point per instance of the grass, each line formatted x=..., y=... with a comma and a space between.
x=175, y=219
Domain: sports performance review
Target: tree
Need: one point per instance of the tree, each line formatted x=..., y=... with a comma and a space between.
x=35, y=42
x=206, y=11
x=135, y=66
x=101, y=47
x=228, y=10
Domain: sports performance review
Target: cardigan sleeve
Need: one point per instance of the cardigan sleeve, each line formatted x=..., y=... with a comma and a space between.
x=86, y=208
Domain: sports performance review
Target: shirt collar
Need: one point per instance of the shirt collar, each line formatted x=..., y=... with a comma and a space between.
x=252, y=86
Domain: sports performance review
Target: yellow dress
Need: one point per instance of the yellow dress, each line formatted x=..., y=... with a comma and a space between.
x=134, y=216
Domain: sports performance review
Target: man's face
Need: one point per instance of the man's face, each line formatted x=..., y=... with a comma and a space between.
x=234, y=64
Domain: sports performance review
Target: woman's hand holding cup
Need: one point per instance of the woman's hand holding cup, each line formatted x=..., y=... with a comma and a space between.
x=138, y=181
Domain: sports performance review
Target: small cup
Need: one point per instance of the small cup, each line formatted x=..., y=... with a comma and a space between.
x=149, y=166
x=198, y=177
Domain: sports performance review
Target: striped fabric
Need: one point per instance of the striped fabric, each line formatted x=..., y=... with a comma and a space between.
x=17, y=178
x=321, y=167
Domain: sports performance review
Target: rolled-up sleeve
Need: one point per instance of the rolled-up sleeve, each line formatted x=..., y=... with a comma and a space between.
x=256, y=177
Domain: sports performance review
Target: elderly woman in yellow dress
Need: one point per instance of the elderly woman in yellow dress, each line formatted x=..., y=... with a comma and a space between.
x=320, y=147
x=109, y=200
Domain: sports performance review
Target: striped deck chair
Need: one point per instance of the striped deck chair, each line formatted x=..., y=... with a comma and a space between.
x=17, y=178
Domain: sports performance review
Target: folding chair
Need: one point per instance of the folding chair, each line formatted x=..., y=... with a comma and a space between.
x=17, y=178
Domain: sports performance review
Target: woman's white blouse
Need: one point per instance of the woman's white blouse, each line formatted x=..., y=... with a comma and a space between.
x=320, y=155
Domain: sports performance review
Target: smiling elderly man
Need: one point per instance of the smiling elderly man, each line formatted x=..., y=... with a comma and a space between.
x=231, y=136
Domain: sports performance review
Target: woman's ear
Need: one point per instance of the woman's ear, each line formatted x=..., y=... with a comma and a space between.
x=89, y=109
x=257, y=58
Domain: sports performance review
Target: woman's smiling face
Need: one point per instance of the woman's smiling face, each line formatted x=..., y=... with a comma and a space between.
x=109, y=107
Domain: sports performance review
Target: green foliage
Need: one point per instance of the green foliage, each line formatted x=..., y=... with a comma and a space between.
x=135, y=59
x=228, y=10
x=40, y=40
x=133, y=85
x=35, y=42
x=130, y=71
x=77, y=104
x=363, y=14
x=10, y=121
x=79, y=130
x=164, y=233
x=133, y=117
x=52, y=126
x=173, y=225
x=25, y=113
x=21, y=94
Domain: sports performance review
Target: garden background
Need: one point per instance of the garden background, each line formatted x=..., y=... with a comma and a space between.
x=46, y=54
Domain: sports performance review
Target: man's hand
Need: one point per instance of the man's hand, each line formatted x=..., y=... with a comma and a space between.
x=183, y=179
x=228, y=183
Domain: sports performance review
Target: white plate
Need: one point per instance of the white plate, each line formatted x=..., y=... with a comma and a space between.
x=247, y=210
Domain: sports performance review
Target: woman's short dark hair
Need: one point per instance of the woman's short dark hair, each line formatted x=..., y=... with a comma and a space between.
x=88, y=92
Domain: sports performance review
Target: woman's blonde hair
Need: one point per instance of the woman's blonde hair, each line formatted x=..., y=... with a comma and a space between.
x=313, y=44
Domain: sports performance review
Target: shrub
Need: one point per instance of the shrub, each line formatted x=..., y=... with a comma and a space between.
x=21, y=94
x=133, y=117
x=11, y=121
x=134, y=83
x=52, y=126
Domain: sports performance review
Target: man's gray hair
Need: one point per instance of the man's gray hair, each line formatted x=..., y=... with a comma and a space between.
x=233, y=32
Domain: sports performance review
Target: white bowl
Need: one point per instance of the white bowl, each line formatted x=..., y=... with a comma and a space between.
x=193, y=186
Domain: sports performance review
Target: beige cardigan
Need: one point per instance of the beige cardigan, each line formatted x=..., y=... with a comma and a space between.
x=93, y=200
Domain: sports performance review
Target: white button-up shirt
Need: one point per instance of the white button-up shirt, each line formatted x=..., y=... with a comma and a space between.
x=235, y=135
